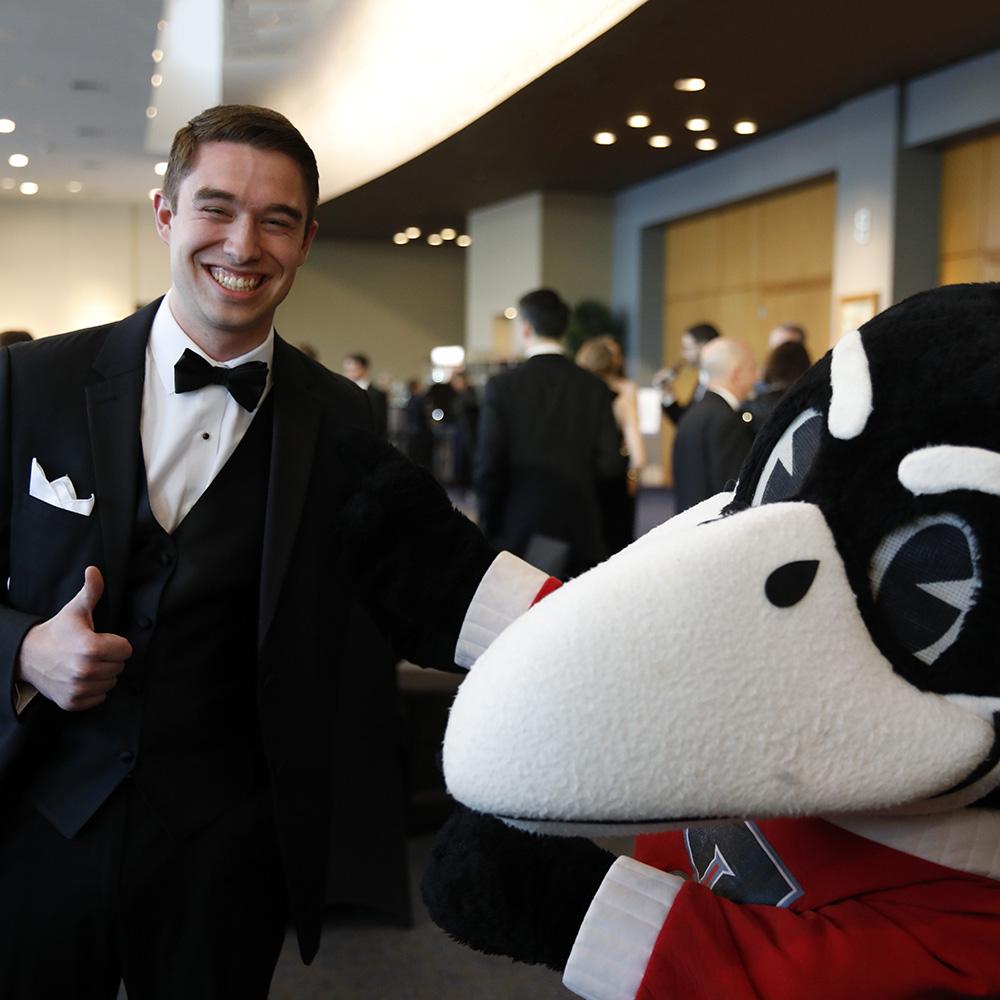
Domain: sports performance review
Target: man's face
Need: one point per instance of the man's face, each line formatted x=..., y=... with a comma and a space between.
x=237, y=236
x=354, y=370
x=690, y=349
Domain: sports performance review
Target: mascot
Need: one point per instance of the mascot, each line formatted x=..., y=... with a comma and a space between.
x=792, y=691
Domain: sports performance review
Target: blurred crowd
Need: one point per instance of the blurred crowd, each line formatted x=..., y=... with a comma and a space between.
x=549, y=452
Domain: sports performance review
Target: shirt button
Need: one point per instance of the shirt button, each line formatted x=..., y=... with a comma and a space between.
x=126, y=756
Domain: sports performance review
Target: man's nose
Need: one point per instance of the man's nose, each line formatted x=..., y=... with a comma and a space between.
x=241, y=240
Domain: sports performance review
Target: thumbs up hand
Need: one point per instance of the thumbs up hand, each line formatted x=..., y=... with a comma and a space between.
x=66, y=660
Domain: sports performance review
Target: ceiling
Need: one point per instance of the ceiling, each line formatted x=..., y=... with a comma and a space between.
x=777, y=63
x=76, y=78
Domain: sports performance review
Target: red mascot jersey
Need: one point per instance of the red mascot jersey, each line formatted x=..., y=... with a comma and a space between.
x=803, y=910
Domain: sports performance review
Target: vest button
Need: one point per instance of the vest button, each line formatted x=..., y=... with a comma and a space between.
x=166, y=557
x=126, y=756
x=143, y=622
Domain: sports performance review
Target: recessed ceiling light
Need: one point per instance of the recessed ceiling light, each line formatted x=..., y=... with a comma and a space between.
x=6, y=125
x=434, y=239
x=745, y=127
x=161, y=168
x=690, y=84
x=153, y=192
x=150, y=112
x=74, y=187
x=638, y=121
x=659, y=141
x=463, y=241
x=29, y=187
x=706, y=143
x=8, y=184
x=400, y=238
x=17, y=160
x=413, y=233
x=157, y=55
x=696, y=124
x=448, y=233
x=510, y=312
x=156, y=79
x=605, y=138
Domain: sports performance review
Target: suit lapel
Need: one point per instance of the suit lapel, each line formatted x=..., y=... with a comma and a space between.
x=296, y=426
x=113, y=409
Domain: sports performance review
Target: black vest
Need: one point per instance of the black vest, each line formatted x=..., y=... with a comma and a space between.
x=182, y=720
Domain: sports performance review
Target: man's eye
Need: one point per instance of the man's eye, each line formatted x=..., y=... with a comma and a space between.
x=791, y=459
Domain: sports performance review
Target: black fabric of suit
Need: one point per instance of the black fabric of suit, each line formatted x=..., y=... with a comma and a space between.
x=380, y=410
x=709, y=449
x=547, y=437
x=346, y=517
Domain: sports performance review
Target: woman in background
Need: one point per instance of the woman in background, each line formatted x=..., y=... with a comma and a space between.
x=603, y=356
x=783, y=367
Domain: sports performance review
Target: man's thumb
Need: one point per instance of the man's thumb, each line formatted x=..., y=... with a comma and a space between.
x=93, y=586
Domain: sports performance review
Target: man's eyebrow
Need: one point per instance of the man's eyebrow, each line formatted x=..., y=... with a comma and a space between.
x=217, y=194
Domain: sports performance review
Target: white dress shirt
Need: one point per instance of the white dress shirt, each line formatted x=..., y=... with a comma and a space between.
x=187, y=437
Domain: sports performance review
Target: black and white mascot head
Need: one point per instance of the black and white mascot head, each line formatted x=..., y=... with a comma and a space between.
x=792, y=691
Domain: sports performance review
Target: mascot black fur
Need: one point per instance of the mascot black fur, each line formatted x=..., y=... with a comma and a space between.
x=792, y=691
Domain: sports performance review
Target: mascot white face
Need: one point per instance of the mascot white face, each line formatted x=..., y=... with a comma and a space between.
x=822, y=641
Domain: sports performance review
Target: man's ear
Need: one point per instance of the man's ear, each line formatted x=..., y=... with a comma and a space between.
x=163, y=215
x=309, y=237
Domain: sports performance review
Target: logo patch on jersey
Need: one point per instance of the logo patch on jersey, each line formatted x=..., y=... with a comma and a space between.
x=736, y=862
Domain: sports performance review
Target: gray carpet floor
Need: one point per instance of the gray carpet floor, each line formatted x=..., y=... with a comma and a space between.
x=362, y=959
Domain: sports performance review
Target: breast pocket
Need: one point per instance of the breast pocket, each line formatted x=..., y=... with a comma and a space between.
x=49, y=550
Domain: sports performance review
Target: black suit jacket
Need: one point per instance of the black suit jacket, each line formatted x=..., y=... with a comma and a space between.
x=380, y=410
x=347, y=517
x=709, y=449
x=547, y=436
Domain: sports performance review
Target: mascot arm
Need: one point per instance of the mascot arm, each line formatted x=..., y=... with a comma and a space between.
x=650, y=935
x=506, y=892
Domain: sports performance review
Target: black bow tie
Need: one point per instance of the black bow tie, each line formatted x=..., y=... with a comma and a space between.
x=245, y=382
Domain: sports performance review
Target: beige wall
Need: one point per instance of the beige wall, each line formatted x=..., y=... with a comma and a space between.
x=392, y=303
x=576, y=246
x=67, y=266
x=71, y=265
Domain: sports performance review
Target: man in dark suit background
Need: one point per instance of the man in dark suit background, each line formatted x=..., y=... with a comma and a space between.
x=357, y=367
x=165, y=728
x=713, y=439
x=547, y=437
x=693, y=341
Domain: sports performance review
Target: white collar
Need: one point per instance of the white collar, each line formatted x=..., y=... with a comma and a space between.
x=167, y=342
x=733, y=402
x=543, y=347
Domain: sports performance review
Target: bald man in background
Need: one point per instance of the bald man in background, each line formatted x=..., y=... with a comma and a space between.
x=713, y=438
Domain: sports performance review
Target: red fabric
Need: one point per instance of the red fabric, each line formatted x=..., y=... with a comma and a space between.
x=872, y=924
x=550, y=584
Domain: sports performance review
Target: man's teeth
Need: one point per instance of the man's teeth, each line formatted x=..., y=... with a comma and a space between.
x=235, y=282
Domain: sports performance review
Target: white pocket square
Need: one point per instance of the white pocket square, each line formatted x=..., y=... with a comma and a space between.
x=60, y=492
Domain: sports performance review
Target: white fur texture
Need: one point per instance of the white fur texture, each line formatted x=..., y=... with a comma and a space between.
x=664, y=686
x=851, y=381
x=944, y=467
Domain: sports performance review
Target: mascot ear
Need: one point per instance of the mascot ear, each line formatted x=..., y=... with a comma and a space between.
x=506, y=892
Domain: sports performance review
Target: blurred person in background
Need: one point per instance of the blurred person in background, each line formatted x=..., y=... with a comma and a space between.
x=693, y=341
x=786, y=333
x=357, y=368
x=785, y=364
x=603, y=356
x=712, y=439
x=9, y=337
x=547, y=440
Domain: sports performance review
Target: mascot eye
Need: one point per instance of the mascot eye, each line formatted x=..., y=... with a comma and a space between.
x=789, y=463
x=925, y=579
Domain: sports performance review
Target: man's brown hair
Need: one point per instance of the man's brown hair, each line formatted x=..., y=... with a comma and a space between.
x=260, y=128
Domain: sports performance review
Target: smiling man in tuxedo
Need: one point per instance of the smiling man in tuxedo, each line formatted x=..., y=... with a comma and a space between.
x=188, y=508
